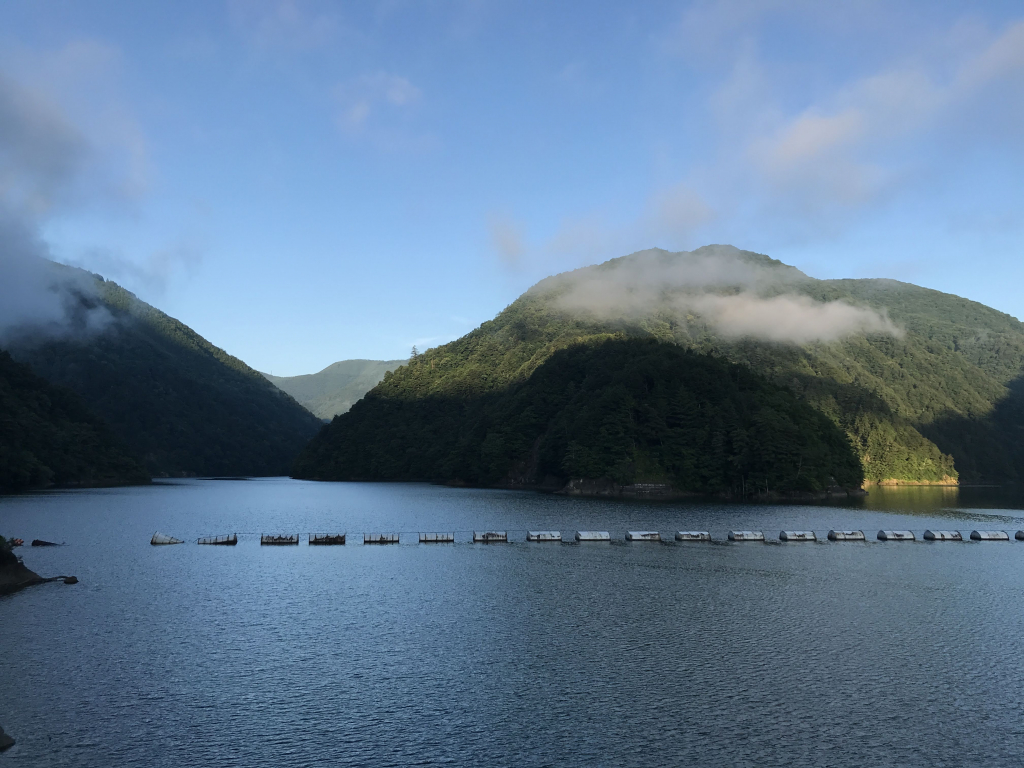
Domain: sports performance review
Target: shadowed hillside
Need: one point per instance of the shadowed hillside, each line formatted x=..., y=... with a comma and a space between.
x=48, y=437
x=627, y=410
x=181, y=404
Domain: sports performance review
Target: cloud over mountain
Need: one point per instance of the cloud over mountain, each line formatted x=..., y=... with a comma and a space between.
x=737, y=297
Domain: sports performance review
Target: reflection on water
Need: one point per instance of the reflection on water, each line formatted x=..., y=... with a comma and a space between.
x=609, y=654
x=968, y=503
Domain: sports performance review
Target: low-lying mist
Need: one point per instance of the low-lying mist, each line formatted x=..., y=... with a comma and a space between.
x=40, y=160
x=737, y=296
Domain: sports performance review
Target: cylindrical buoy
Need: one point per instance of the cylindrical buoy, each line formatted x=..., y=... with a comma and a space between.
x=846, y=536
x=746, y=536
x=943, y=536
x=693, y=536
x=643, y=536
x=797, y=536
x=896, y=536
x=990, y=536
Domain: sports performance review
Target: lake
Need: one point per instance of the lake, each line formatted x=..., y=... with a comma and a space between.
x=519, y=654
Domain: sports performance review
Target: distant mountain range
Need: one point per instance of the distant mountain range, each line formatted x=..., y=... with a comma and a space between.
x=177, y=403
x=333, y=390
x=923, y=387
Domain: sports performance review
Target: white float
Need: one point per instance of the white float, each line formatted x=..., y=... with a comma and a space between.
x=543, y=535
x=746, y=536
x=797, y=536
x=643, y=536
x=943, y=536
x=990, y=536
x=896, y=536
x=593, y=536
x=846, y=536
x=693, y=536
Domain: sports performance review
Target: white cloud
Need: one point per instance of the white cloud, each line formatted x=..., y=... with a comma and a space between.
x=506, y=239
x=670, y=218
x=845, y=149
x=83, y=82
x=284, y=24
x=735, y=297
x=368, y=95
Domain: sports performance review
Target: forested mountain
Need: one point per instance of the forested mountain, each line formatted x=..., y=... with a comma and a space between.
x=926, y=386
x=181, y=404
x=48, y=437
x=628, y=410
x=333, y=390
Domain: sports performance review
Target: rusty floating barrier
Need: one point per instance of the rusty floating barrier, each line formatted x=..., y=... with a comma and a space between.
x=380, y=538
x=490, y=537
x=437, y=538
x=543, y=535
x=159, y=539
x=643, y=536
x=326, y=539
x=227, y=540
x=693, y=536
x=279, y=540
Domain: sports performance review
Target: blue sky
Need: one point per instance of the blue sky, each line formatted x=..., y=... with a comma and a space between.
x=304, y=182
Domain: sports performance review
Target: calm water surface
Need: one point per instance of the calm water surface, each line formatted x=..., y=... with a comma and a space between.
x=507, y=655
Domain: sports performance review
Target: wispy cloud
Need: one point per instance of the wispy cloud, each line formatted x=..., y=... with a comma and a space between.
x=506, y=239
x=153, y=272
x=670, y=218
x=364, y=97
x=290, y=25
x=41, y=155
x=733, y=297
x=781, y=171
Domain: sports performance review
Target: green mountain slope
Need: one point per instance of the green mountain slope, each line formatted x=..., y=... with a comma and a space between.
x=629, y=410
x=333, y=390
x=181, y=404
x=48, y=437
x=927, y=390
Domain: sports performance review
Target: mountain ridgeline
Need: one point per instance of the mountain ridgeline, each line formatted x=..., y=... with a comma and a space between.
x=333, y=390
x=923, y=387
x=175, y=401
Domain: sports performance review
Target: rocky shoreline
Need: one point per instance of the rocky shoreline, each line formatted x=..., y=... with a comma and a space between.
x=15, y=575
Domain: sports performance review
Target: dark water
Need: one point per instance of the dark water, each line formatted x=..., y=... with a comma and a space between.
x=507, y=655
